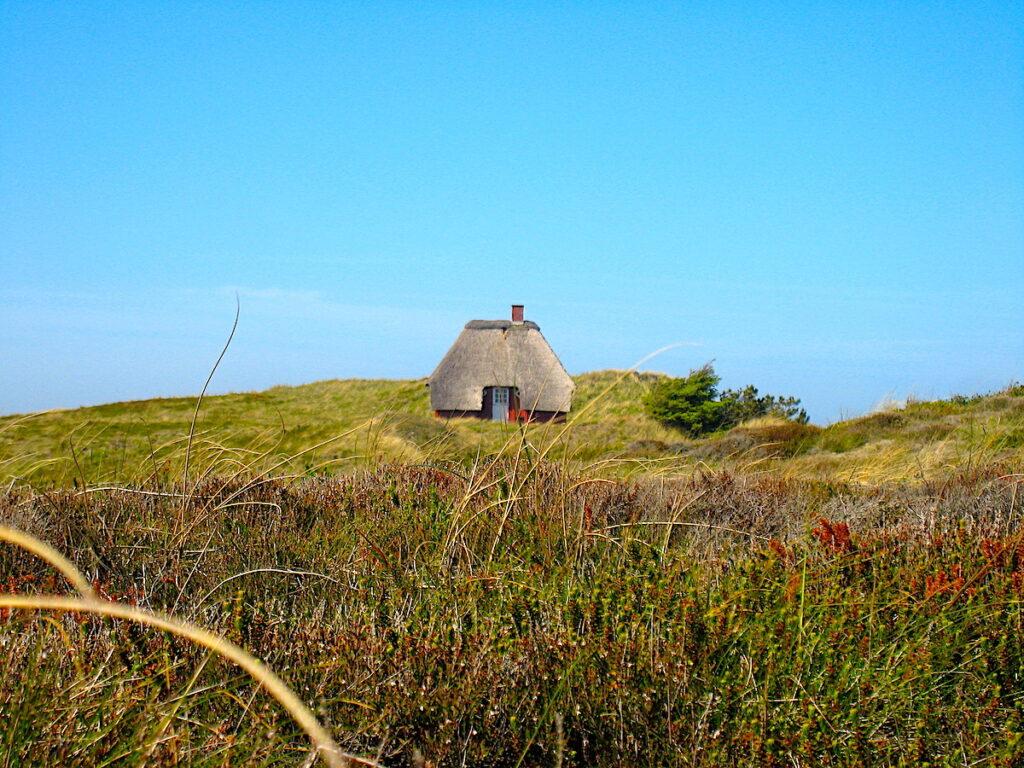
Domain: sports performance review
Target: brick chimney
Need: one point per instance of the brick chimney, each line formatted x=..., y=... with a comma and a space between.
x=517, y=313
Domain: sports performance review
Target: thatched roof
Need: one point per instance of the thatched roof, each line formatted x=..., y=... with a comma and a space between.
x=500, y=353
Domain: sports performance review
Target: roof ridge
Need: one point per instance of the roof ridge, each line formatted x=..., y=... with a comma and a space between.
x=502, y=325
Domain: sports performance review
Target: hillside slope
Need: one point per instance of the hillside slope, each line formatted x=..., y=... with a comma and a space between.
x=334, y=424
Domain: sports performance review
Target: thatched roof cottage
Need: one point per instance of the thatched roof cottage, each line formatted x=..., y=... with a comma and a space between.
x=501, y=370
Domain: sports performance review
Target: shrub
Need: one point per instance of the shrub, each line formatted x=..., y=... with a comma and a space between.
x=693, y=404
x=690, y=403
x=746, y=404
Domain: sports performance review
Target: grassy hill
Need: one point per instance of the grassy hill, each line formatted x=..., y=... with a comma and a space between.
x=759, y=597
x=332, y=425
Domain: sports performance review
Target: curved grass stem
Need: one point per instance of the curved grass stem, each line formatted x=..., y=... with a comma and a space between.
x=325, y=744
x=44, y=551
x=89, y=603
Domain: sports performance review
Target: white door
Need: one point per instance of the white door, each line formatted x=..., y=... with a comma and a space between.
x=499, y=404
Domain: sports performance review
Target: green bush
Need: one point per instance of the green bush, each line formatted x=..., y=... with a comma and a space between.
x=693, y=404
x=690, y=403
x=746, y=404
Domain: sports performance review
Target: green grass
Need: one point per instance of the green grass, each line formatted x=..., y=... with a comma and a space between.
x=362, y=422
x=366, y=420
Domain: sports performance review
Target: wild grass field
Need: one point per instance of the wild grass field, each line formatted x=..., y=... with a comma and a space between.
x=341, y=425
x=473, y=594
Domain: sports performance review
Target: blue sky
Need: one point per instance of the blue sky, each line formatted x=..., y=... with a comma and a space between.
x=827, y=198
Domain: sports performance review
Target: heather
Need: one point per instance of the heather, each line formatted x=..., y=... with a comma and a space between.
x=523, y=611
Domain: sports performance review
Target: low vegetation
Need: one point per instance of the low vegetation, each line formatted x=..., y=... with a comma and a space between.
x=532, y=617
x=607, y=593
